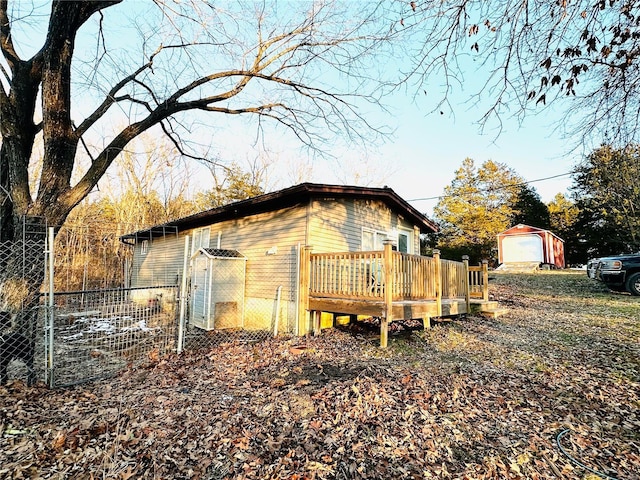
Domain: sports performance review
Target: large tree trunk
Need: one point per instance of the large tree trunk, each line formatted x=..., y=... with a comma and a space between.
x=18, y=135
x=50, y=71
x=23, y=219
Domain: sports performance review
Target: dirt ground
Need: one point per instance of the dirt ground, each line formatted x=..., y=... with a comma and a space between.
x=550, y=390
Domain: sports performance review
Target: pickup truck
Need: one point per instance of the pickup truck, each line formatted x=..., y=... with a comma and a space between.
x=620, y=272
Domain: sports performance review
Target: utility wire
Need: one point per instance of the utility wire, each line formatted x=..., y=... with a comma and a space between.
x=501, y=187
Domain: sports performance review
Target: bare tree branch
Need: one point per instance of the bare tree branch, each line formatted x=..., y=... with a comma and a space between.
x=532, y=55
x=280, y=65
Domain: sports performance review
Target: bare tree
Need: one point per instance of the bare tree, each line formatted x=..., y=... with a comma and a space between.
x=232, y=183
x=281, y=65
x=580, y=57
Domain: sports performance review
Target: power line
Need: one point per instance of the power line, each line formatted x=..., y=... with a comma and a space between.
x=502, y=187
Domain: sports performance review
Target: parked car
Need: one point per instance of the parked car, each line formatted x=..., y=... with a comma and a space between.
x=619, y=272
x=592, y=267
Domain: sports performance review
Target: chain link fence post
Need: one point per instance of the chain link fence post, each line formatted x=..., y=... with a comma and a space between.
x=183, y=296
x=49, y=309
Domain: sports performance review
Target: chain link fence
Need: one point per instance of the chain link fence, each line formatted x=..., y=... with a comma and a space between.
x=95, y=323
x=96, y=333
x=22, y=271
x=235, y=297
x=71, y=314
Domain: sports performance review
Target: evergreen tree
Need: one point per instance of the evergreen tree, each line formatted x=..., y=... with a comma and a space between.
x=564, y=215
x=529, y=209
x=607, y=193
x=475, y=208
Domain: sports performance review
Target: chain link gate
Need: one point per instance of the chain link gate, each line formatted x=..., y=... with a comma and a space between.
x=21, y=312
x=230, y=297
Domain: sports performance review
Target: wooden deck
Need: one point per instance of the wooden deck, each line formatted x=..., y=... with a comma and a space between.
x=387, y=284
x=401, y=309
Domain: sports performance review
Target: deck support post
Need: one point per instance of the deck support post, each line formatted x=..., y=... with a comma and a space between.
x=388, y=293
x=485, y=280
x=438, y=282
x=305, y=286
x=467, y=293
x=317, y=319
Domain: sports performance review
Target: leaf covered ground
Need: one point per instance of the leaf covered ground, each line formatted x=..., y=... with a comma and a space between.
x=550, y=390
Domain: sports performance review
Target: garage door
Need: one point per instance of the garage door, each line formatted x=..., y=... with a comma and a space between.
x=522, y=248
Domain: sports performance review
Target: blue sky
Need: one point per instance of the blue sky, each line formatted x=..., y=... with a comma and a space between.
x=427, y=148
x=432, y=146
x=418, y=160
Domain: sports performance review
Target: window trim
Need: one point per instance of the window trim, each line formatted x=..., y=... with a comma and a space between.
x=375, y=233
x=409, y=234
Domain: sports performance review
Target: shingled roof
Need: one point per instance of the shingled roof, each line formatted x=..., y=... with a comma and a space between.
x=288, y=197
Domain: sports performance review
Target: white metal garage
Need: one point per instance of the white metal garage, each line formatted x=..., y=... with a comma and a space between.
x=523, y=244
x=522, y=248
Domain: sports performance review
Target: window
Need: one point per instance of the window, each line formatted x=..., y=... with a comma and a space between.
x=372, y=240
x=144, y=247
x=200, y=239
x=405, y=241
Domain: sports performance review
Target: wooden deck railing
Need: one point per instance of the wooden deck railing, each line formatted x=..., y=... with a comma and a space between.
x=413, y=277
x=362, y=275
x=453, y=283
x=347, y=274
x=385, y=276
x=479, y=281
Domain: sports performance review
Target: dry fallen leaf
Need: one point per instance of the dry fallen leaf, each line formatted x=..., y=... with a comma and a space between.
x=471, y=398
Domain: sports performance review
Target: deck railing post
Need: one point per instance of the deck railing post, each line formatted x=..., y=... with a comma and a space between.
x=388, y=293
x=305, y=286
x=467, y=292
x=438, y=281
x=485, y=280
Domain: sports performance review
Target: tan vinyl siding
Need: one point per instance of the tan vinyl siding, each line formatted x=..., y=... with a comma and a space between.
x=161, y=265
x=269, y=241
x=416, y=240
x=336, y=225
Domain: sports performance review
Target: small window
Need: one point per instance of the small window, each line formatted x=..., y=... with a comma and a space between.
x=405, y=241
x=373, y=240
x=144, y=247
x=200, y=239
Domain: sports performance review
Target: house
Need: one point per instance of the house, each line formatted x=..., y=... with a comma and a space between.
x=525, y=244
x=304, y=244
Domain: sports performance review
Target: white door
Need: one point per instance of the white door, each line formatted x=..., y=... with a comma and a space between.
x=522, y=248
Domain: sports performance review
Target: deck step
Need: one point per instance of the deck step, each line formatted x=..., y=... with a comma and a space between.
x=485, y=305
x=494, y=312
x=519, y=267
